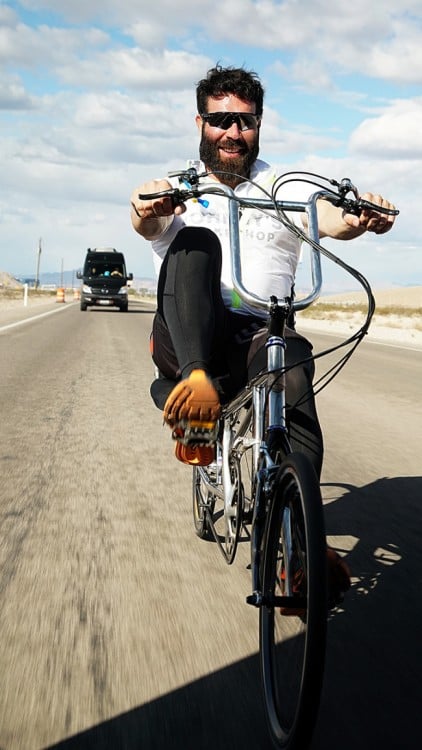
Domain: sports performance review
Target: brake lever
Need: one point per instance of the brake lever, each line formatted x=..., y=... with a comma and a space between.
x=356, y=207
x=177, y=196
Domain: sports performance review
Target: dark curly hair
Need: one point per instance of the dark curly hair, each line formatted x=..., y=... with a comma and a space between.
x=219, y=81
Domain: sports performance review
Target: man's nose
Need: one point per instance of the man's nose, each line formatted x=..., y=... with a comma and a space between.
x=234, y=129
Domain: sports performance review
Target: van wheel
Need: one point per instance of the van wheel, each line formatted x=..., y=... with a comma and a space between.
x=123, y=308
x=83, y=306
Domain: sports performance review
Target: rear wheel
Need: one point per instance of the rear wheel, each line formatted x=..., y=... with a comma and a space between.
x=212, y=518
x=233, y=515
x=203, y=500
x=294, y=614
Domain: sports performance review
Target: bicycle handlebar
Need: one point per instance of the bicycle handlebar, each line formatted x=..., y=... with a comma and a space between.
x=339, y=197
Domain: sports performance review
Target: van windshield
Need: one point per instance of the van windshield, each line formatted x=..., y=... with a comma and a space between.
x=94, y=268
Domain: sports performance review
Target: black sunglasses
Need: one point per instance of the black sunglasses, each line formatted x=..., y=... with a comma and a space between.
x=224, y=120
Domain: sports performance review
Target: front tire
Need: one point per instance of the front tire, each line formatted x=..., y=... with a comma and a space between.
x=294, y=615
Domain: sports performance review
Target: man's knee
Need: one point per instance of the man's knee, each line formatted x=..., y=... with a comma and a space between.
x=190, y=239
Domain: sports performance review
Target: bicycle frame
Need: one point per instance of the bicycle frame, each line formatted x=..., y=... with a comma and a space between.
x=267, y=386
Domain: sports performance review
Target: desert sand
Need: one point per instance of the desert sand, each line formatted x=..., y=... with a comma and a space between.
x=397, y=327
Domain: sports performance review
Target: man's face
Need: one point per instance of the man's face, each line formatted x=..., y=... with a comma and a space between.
x=232, y=150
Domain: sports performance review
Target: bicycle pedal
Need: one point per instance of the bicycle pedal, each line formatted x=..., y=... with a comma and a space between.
x=195, y=433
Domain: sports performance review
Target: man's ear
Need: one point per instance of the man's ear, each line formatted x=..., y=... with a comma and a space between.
x=198, y=120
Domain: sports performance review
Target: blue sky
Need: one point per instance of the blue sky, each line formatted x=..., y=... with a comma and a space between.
x=98, y=96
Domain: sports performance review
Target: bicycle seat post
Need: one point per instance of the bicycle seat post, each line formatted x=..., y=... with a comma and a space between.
x=276, y=346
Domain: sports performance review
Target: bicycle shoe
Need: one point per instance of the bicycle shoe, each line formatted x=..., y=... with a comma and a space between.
x=298, y=589
x=338, y=582
x=192, y=410
x=195, y=455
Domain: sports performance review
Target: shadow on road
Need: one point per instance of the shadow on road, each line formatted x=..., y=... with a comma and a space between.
x=371, y=697
x=372, y=692
x=222, y=710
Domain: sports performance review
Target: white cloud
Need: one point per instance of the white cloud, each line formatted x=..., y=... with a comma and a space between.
x=279, y=137
x=396, y=133
x=13, y=95
x=135, y=69
x=399, y=58
x=148, y=34
x=45, y=46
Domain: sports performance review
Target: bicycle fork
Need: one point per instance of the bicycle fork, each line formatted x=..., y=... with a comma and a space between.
x=265, y=466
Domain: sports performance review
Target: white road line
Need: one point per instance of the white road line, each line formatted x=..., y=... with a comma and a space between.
x=29, y=320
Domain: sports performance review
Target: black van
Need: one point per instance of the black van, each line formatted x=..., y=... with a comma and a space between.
x=104, y=279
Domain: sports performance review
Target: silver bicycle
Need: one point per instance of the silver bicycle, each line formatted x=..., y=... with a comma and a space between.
x=259, y=489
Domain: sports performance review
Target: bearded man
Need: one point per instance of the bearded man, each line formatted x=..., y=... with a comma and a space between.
x=206, y=343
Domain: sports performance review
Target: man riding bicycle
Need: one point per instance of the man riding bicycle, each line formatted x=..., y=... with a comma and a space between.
x=205, y=343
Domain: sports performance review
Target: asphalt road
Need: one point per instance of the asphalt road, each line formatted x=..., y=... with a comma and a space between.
x=119, y=628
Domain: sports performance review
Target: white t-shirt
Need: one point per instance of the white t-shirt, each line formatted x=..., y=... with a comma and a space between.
x=269, y=252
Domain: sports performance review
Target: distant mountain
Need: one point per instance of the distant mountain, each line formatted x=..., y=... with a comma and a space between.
x=7, y=281
x=67, y=279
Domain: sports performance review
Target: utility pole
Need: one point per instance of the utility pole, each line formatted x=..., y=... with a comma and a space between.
x=37, y=275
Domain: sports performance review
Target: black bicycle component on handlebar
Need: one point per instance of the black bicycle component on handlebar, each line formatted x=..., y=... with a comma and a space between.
x=187, y=177
x=176, y=195
x=356, y=204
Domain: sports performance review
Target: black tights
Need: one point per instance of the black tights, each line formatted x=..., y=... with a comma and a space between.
x=189, y=297
x=193, y=329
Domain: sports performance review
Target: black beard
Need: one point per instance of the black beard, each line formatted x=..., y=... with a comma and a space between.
x=234, y=170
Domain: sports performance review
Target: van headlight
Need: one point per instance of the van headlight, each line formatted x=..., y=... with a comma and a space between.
x=122, y=290
x=87, y=289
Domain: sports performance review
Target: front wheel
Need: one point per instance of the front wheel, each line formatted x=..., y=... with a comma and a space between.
x=294, y=614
